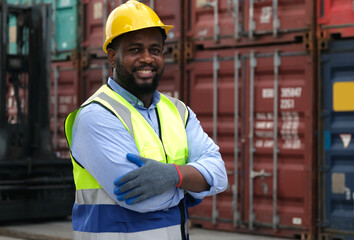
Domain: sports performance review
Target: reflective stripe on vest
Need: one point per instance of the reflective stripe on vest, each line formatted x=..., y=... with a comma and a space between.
x=170, y=233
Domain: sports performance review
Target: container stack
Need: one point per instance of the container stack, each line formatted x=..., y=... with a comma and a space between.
x=252, y=83
x=271, y=81
x=335, y=33
x=65, y=68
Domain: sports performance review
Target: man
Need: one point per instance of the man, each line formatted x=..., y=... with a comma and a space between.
x=139, y=158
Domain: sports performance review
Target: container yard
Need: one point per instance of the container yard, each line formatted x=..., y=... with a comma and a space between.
x=271, y=81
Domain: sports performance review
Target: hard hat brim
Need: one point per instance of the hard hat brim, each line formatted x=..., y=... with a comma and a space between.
x=167, y=28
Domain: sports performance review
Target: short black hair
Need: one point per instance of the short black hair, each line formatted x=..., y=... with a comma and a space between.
x=115, y=42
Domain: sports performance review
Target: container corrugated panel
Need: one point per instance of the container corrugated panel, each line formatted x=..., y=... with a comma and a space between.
x=271, y=177
x=336, y=17
x=64, y=99
x=223, y=23
x=337, y=171
x=64, y=28
x=94, y=75
x=94, y=16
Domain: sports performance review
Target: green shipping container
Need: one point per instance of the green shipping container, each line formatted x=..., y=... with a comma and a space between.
x=65, y=37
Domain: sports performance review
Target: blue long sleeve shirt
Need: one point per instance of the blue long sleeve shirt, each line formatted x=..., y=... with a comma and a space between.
x=100, y=143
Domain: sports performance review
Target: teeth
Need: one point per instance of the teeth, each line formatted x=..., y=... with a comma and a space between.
x=144, y=71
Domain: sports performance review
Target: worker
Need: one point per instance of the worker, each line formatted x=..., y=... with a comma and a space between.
x=140, y=158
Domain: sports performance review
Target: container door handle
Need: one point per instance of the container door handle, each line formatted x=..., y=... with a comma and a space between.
x=262, y=173
x=216, y=66
x=277, y=62
x=237, y=67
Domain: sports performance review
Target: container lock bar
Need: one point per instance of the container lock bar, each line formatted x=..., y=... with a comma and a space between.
x=216, y=66
x=276, y=22
x=277, y=62
x=236, y=23
x=251, y=23
x=253, y=64
x=237, y=67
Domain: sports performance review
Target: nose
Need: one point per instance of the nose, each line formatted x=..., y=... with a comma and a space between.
x=145, y=57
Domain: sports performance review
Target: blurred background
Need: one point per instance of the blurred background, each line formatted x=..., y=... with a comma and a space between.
x=272, y=82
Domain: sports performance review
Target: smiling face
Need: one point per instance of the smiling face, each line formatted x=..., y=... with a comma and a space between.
x=139, y=60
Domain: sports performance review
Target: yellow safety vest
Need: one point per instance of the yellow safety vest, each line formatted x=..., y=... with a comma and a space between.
x=171, y=148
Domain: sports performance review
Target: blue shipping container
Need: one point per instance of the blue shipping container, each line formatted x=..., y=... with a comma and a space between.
x=337, y=166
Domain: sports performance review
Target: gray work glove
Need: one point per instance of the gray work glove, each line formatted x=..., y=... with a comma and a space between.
x=150, y=179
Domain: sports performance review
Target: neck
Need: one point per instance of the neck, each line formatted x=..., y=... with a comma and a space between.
x=146, y=99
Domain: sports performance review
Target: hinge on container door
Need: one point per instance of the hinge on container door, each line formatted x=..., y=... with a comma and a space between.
x=188, y=50
x=84, y=60
x=323, y=38
x=176, y=52
x=307, y=236
x=75, y=58
x=308, y=41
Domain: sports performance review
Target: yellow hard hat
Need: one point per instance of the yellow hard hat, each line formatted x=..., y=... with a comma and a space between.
x=128, y=17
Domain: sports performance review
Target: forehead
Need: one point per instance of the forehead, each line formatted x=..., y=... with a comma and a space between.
x=144, y=36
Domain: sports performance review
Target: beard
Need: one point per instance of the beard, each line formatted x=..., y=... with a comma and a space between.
x=128, y=81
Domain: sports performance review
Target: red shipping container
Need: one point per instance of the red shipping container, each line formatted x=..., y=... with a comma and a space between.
x=95, y=75
x=94, y=15
x=222, y=23
x=65, y=94
x=336, y=17
x=272, y=176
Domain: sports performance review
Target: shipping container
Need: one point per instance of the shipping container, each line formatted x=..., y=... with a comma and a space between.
x=225, y=23
x=94, y=15
x=65, y=95
x=65, y=29
x=336, y=162
x=335, y=17
x=265, y=127
x=95, y=74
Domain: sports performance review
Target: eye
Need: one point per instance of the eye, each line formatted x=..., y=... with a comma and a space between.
x=155, y=51
x=134, y=50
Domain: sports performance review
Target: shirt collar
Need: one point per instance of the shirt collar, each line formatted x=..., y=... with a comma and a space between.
x=130, y=97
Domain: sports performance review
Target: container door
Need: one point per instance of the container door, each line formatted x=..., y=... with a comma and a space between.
x=64, y=99
x=265, y=130
x=337, y=167
x=279, y=151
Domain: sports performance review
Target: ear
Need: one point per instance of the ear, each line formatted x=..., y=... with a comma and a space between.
x=111, y=54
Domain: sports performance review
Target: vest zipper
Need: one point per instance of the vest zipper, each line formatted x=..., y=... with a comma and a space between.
x=160, y=134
